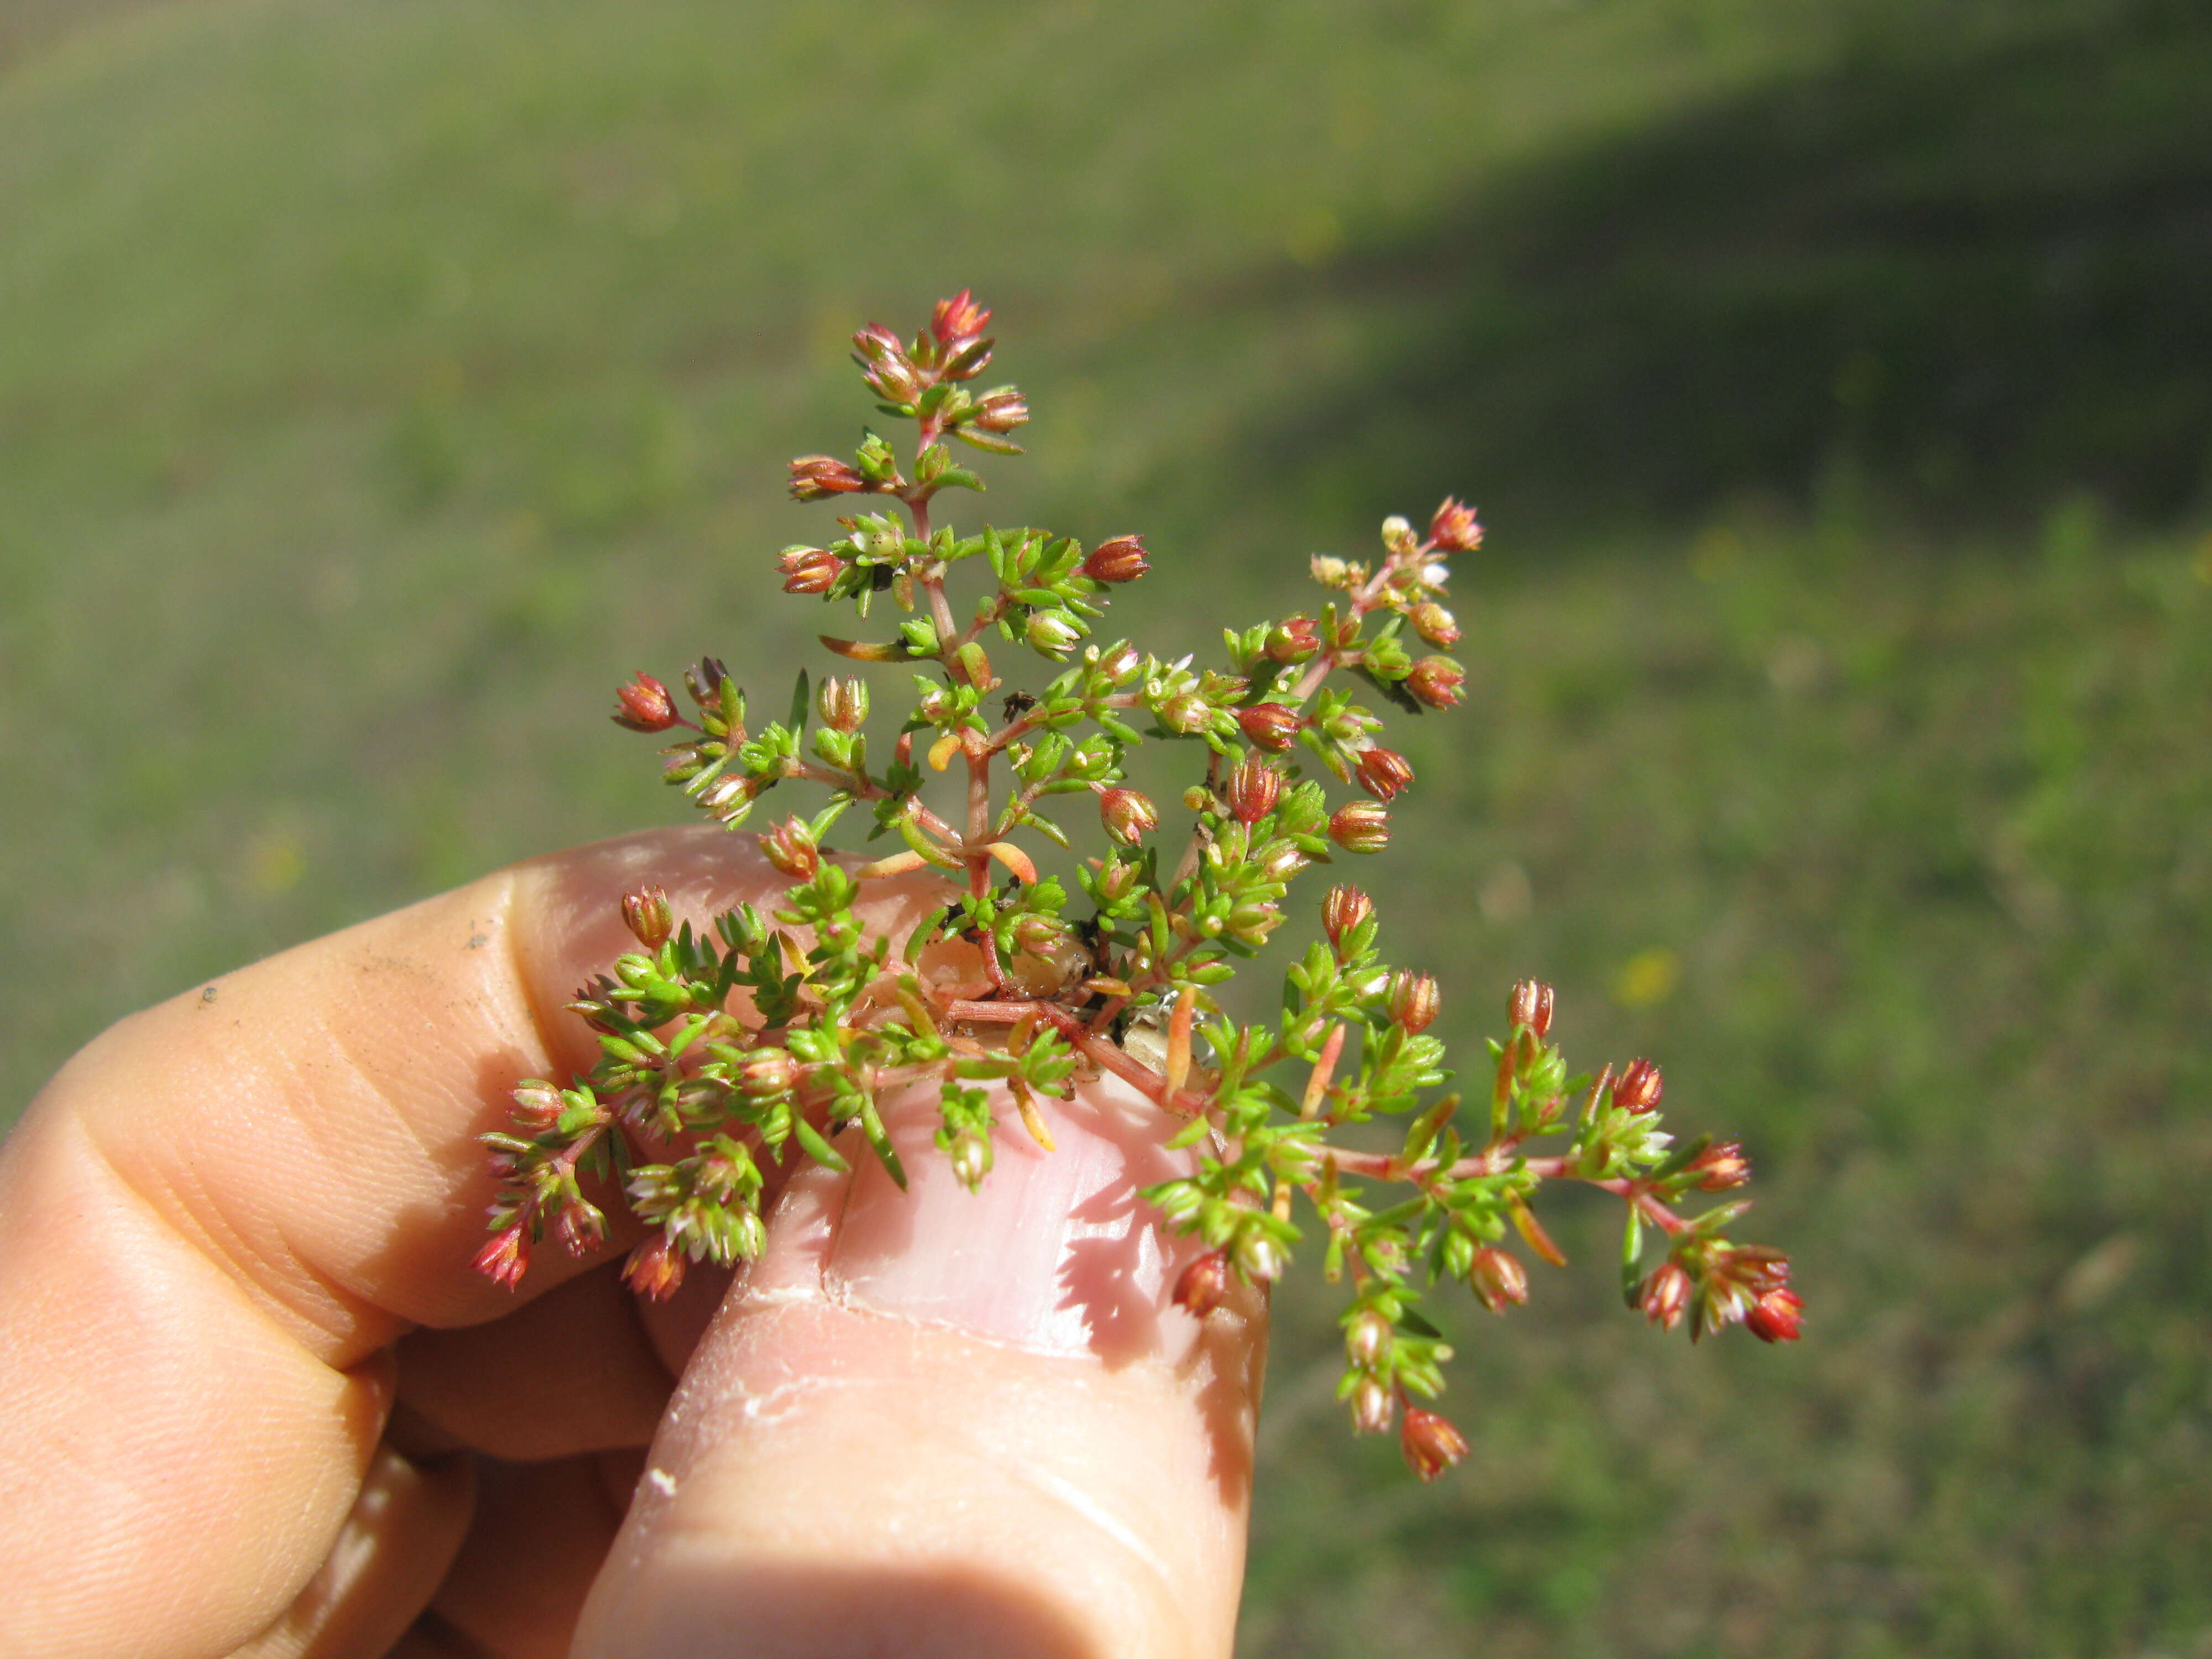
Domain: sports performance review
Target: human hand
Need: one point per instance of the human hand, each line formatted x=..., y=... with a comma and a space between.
x=248, y=1370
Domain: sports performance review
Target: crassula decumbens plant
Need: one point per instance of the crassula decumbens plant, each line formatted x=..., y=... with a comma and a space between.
x=724, y=1052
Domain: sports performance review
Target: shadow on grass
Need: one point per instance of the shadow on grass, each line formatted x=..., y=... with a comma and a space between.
x=1977, y=278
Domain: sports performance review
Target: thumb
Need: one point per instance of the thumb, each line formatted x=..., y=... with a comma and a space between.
x=943, y=1422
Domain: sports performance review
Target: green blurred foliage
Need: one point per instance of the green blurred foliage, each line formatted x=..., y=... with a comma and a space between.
x=381, y=385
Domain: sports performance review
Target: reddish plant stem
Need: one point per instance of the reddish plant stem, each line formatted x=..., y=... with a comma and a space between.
x=1379, y=1166
x=1187, y=866
x=862, y=788
x=1329, y=658
x=1022, y=727
x=1081, y=1038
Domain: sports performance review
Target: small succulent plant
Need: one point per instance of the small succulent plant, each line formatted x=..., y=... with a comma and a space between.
x=1021, y=985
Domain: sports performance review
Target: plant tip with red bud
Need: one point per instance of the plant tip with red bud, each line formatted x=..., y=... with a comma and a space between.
x=1294, y=640
x=646, y=705
x=1530, y=1004
x=655, y=1268
x=537, y=1105
x=1382, y=773
x=1373, y=1407
x=505, y=1258
x=1259, y=1258
x=809, y=569
x=958, y=318
x=1436, y=681
x=1435, y=624
x=814, y=476
x=790, y=848
x=645, y=913
x=1253, y=789
x=1120, y=560
x=1430, y=1442
x=1202, y=1286
x=1001, y=412
x=1413, y=1000
x=1453, y=528
x=764, y=1073
x=1638, y=1087
x=1666, y=1295
x=1720, y=1167
x=1271, y=726
x=1360, y=827
x=843, y=702
x=1344, y=910
x=1775, y=1316
x=1498, y=1279
x=1366, y=1338
x=1129, y=816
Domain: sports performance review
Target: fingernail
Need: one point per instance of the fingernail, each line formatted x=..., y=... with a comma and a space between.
x=1055, y=1252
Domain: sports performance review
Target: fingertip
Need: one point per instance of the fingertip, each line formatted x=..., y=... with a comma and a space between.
x=936, y=1421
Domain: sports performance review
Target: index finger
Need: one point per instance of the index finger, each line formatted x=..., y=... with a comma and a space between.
x=221, y=1211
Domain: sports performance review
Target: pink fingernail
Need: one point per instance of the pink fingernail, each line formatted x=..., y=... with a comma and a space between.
x=1055, y=1252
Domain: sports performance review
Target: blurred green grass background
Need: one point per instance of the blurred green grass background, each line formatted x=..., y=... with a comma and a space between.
x=380, y=384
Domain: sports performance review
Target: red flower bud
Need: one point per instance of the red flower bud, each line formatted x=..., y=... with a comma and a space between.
x=1273, y=727
x=809, y=569
x=1259, y=1256
x=1530, y=1004
x=646, y=705
x=1383, y=772
x=1454, y=529
x=1360, y=827
x=1002, y=411
x=1638, y=1087
x=1373, y=1406
x=505, y=1258
x=1366, y=1338
x=1436, y=681
x=704, y=679
x=893, y=378
x=1052, y=631
x=1128, y=816
x=767, y=1073
x=814, y=476
x=1294, y=640
x=1253, y=789
x=1434, y=623
x=645, y=913
x=1120, y=661
x=958, y=318
x=1412, y=1000
x=581, y=1227
x=1186, y=713
x=654, y=1268
x=971, y=1157
x=875, y=342
x=790, y=848
x=1775, y=1316
x=1499, y=1278
x=1344, y=910
x=1430, y=1444
x=727, y=795
x=1120, y=560
x=538, y=1104
x=841, y=703
x=1719, y=1168
x=1203, y=1286
x=1665, y=1295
